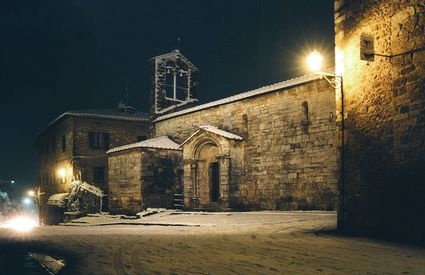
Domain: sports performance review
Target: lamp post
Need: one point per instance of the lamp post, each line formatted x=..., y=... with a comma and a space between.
x=314, y=61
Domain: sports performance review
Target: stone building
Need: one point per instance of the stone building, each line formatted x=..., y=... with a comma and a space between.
x=144, y=174
x=383, y=48
x=73, y=148
x=269, y=148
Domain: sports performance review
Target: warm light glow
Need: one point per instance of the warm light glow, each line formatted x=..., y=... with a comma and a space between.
x=31, y=193
x=21, y=223
x=339, y=61
x=62, y=172
x=314, y=61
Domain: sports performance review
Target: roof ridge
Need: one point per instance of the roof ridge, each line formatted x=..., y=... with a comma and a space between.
x=239, y=96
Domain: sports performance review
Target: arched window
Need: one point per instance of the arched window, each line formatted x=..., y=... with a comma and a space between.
x=305, y=119
x=245, y=124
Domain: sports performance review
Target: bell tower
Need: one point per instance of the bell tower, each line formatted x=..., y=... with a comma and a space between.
x=174, y=83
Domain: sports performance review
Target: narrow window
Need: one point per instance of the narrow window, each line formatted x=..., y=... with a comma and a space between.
x=305, y=119
x=245, y=124
x=99, y=175
x=105, y=141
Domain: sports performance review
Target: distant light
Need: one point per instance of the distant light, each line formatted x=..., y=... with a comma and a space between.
x=27, y=201
x=21, y=223
x=314, y=61
x=31, y=193
x=12, y=181
x=62, y=172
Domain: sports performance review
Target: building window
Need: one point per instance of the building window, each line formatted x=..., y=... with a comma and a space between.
x=63, y=143
x=305, y=119
x=142, y=138
x=98, y=140
x=99, y=174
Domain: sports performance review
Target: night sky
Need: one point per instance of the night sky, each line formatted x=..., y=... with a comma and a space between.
x=83, y=54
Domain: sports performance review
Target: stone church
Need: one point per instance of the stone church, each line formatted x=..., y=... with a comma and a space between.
x=269, y=148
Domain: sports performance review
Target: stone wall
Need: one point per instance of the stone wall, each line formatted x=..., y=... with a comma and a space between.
x=385, y=117
x=142, y=178
x=125, y=193
x=120, y=133
x=50, y=158
x=78, y=160
x=288, y=157
x=161, y=177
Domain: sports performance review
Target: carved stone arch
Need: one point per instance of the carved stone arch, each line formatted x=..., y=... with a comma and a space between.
x=207, y=159
x=205, y=140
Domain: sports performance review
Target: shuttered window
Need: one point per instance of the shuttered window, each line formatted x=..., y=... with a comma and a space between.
x=98, y=140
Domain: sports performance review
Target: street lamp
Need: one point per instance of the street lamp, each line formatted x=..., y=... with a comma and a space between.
x=314, y=62
x=7, y=181
x=62, y=173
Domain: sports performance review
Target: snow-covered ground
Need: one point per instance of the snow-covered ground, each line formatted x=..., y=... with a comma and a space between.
x=216, y=243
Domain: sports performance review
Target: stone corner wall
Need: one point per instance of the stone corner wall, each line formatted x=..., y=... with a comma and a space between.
x=385, y=117
x=124, y=175
x=161, y=177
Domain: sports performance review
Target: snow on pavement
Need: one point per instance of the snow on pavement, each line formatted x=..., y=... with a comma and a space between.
x=221, y=243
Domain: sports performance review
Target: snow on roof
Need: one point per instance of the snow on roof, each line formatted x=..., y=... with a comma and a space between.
x=214, y=130
x=92, y=189
x=266, y=89
x=57, y=199
x=174, y=54
x=110, y=113
x=162, y=142
x=99, y=113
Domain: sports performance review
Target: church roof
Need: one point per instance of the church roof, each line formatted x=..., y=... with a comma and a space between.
x=263, y=90
x=214, y=130
x=162, y=142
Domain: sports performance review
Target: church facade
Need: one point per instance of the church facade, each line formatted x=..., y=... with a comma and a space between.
x=269, y=148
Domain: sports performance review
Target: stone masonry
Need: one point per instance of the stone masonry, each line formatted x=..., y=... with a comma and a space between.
x=287, y=159
x=143, y=177
x=385, y=117
x=64, y=145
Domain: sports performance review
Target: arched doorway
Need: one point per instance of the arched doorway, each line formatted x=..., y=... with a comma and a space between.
x=207, y=158
x=214, y=176
x=208, y=172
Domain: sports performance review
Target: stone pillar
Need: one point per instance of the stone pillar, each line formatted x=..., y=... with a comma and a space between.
x=225, y=166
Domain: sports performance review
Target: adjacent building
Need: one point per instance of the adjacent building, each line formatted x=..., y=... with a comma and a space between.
x=382, y=49
x=73, y=148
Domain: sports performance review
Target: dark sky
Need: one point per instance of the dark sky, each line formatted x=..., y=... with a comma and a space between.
x=79, y=54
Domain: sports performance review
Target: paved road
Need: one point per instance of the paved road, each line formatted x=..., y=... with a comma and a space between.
x=222, y=243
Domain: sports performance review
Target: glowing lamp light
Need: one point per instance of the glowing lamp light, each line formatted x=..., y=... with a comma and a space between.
x=314, y=61
x=21, y=224
x=31, y=193
x=62, y=172
x=27, y=201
